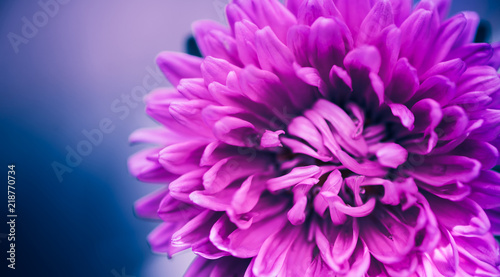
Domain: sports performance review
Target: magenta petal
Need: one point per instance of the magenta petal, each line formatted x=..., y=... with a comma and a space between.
x=148, y=205
x=464, y=217
x=188, y=114
x=388, y=44
x=392, y=155
x=401, y=10
x=428, y=115
x=469, y=32
x=405, y=267
x=353, y=12
x=224, y=172
x=247, y=196
x=342, y=124
x=494, y=216
x=451, y=69
x=473, y=54
x=272, y=255
x=234, y=131
x=171, y=209
x=273, y=55
x=405, y=115
x=481, y=151
x=341, y=82
x=387, y=238
x=319, y=268
x=148, y=169
x=299, y=256
x=329, y=42
x=160, y=238
x=176, y=66
x=293, y=5
x=195, y=230
x=309, y=75
x=479, y=255
x=416, y=32
x=404, y=82
x=182, y=157
x=297, y=41
x=264, y=87
x=297, y=175
x=269, y=13
x=445, y=256
x=216, y=70
x=215, y=40
x=453, y=124
x=188, y=182
x=297, y=214
x=363, y=57
x=490, y=129
x=299, y=147
x=447, y=35
x=194, y=88
x=271, y=139
x=244, y=243
x=495, y=59
x=441, y=170
x=245, y=41
x=379, y=17
x=337, y=244
x=207, y=250
x=438, y=88
x=486, y=189
x=472, y=101
x=454, y=191
x=310, y=10
x=479, y=78
x=220, y=201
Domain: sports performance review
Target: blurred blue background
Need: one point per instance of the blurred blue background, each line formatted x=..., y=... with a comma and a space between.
x=77, y=69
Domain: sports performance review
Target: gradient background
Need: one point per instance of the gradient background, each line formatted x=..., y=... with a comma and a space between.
x=64, y=81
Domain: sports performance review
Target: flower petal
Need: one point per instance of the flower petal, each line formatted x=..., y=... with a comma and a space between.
x=379, y=17
x=177, y=66
x=271, y=256
x=462, y=218
x=486, y=189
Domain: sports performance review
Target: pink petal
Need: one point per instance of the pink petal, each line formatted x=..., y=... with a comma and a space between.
x=379, y=17
x=329, y=41
x=486, y=189
x=245, y=42
x=392, y=155
x=177, y=66
x=451, y=69
x=215, y=40
x=297, y=175
x=464, y=217
x=271, y=257
x=404, y=82
x=310, y=10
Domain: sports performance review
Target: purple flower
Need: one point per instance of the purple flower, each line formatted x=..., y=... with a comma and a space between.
x=328, y=138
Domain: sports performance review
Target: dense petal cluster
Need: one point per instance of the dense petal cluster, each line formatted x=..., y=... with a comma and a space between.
x=328, y=138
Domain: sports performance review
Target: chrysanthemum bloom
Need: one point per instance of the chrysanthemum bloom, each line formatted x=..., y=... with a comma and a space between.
x=328, y=138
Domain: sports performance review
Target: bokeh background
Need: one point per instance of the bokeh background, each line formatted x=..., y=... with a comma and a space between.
x=80, y=67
